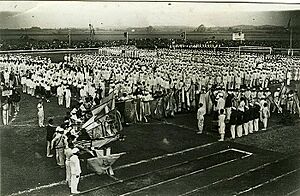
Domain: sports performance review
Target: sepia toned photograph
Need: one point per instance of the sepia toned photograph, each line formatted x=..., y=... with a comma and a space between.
x=150, y=98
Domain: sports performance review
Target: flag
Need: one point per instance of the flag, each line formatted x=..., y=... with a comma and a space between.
x=100, y=164
x=102, y=142
x=87, y=123
x=109, y=100
x=98, y=109
x=125, y=34
x=91, y=126
x=238, y=36
x=100, y=124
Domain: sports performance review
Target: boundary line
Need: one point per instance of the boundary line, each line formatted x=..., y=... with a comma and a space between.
x=294, y=191
x=233, y=177
x=266, y=182
x=166, y=155
x=117, y=168
x=186, y=175
x=160, y=169
x=242, y=151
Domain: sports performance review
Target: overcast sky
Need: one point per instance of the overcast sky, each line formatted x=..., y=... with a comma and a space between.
x=137, y=14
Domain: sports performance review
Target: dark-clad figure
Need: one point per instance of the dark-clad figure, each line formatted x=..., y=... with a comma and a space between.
x=256, y=116
x=240, y=122
x=251, y=117
x=233, y=121
x=246, y=120
x=50, y=132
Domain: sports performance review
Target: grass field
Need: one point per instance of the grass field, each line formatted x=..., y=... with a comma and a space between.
x=163, y=158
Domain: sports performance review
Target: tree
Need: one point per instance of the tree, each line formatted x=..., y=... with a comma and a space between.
x=150, y=29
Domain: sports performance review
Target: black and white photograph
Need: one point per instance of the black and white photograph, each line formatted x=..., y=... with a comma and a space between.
x=150, y=98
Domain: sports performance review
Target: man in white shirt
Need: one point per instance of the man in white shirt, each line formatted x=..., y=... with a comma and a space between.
x=75, y=170
x=200, y=116
x=40, y=113
x=60, y=95
x=68, y=97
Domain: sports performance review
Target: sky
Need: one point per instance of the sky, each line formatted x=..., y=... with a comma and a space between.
x=68, y=14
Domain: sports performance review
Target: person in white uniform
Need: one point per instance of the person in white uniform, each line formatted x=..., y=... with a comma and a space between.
x=41, y=113
x=68, y=97
x=75, y=171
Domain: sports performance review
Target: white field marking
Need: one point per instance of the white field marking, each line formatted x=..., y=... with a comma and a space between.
x=163, y=168
x=185, y=175
x=231, y=178
x=266, y=182
x=115, y=178
x=117, y=168
x=242, y=151
x=166, y=155
x=39, y=188
x=290, y=193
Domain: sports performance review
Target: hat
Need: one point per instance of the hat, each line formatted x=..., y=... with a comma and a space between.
x=75, y=150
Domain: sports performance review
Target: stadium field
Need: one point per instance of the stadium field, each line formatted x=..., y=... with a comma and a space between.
x=162, y=158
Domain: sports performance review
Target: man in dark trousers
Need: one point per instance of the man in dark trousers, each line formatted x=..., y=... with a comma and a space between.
x=251, y=117
x=16, y=97
x=228, y=104
x=233, y=121
x=50, y=132
x=256, y=114
x=240, y=121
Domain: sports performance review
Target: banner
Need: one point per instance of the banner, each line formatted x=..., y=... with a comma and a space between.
x=103, y=142
x=98, y=110
x=100, y=164
x=238, y=36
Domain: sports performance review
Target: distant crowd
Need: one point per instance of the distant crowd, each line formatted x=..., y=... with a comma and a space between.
x=32, y=44
x=172, y=81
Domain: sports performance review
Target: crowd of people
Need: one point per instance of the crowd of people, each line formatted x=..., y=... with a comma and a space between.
x=178, y=80
x=146, y=43
x=237, y=90
x=62, y=140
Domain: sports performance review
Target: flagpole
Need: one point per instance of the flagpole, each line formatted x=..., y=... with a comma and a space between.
x=69, y=38
x=291, y=40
